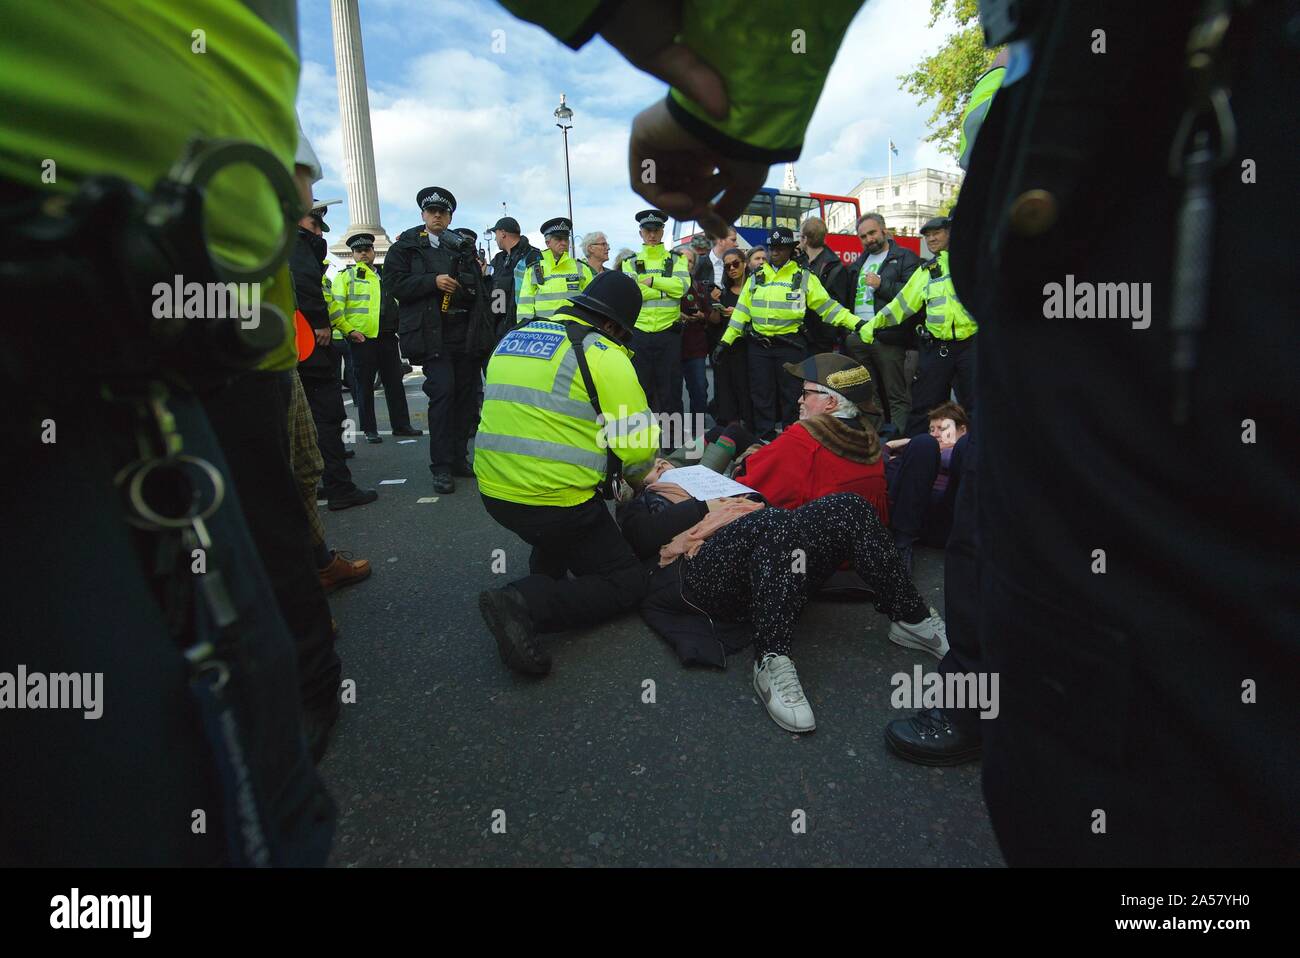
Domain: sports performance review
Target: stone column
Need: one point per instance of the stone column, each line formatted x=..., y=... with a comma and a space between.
x=358, y=148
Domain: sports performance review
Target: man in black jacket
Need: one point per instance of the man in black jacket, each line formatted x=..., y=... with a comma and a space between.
x=442, y=322
x=319, y=371
x=515, y=249
x=874, y=279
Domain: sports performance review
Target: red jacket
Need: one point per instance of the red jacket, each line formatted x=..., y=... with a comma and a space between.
x=795, y=468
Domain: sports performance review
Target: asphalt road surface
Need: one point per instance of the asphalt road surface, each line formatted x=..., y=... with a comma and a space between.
x=448, y=758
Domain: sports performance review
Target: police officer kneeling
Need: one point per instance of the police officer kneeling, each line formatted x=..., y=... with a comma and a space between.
x=562, y=412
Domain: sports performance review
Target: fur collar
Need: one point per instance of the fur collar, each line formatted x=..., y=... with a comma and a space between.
x=851, y=439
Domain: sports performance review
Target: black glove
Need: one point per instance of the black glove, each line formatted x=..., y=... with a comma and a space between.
x=719, y=351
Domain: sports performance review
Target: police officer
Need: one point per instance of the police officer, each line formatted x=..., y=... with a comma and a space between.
x=319, y=371
x=358, y=293
x=436, y=279
x=657, y=342
x=508, y=273
x=562, y=412
x=947, y=358
x=771, y=311
x=554, y=278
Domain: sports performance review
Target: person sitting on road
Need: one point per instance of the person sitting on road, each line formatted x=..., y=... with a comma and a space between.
x=727, y=572
x=832, y=448
x=921, y=496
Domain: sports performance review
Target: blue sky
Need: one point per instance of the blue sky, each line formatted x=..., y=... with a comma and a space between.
x=447, y=110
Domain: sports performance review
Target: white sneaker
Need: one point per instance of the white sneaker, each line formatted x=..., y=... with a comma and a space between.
x=929, y=635
x=777, y=684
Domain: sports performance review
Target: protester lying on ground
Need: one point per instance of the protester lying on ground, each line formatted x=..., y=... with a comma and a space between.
x=832, y=448
x=719, y=565
x=920, y=495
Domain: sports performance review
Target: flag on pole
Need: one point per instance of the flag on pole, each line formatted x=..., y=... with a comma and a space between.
x=893, y=149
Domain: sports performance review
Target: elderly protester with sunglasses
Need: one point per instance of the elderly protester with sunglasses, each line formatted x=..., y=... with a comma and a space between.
x=832, y=448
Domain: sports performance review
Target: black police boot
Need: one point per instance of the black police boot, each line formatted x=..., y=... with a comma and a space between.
x=408, y=431
x=462, y=468
x=374, y=437
x=443, y=483
x=930, y=738
x=507, y=618
x=357, y=497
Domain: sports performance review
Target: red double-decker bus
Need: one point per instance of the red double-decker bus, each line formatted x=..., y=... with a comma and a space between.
x=771, y=207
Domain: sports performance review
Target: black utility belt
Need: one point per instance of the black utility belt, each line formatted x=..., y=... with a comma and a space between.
x=940, y=341
x=676, y=327
x=781, y=339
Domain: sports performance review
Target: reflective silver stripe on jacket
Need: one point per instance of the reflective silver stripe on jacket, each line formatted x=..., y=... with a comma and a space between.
x=558, y=452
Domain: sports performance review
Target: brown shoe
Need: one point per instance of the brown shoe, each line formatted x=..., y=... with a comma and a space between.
x=343, y=570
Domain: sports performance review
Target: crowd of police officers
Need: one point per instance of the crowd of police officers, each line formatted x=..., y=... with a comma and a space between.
x=1128, y=568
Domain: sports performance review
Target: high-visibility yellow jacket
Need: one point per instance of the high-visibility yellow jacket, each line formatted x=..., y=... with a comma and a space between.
x=539, y=441
x=771, y=92
x=241, y=85
x=548, y=285
x=930, y=286
x=980, y=99
x=773, y=302
x=357, y=296
x=661, y=301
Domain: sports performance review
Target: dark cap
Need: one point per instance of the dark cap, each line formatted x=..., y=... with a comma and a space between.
x=614, y=295
x=438, y=196
x=781, y=236
x=937, y=223
x=701, y=243
x=468, y=233
x=361, y=239
x=557, y=226
x=846, y=376
x=651, y=219
x=318, y=208
x=509, y=224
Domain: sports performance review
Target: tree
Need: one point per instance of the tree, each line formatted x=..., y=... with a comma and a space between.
x=950, y=74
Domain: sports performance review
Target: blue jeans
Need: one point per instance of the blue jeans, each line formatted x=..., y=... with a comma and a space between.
x=697, y=385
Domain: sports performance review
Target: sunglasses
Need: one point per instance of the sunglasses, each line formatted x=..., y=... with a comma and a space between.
x=814, y=392
x=734, y=263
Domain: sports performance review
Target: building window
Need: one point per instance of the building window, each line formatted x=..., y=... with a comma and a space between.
x=896, y=191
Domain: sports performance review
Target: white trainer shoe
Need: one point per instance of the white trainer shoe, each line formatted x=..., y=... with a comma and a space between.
x=777, y=684
x=928, y=635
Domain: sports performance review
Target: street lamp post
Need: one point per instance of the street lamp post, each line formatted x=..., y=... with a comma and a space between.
x=565, y=116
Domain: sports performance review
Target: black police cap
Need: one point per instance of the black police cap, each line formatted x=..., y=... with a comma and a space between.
x=361, y=239
x=781, y=236
x=612, y=295
x=436, y=196
x=651, y=219
x=937, y=223
x=468, y=233
x=555, y=226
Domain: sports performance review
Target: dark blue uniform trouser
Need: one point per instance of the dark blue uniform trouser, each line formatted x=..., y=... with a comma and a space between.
x=914, y=514
x=775, y=391
x=961, y=576
x=379, y=355
x=608, y=580
x=86, y=605
x=945, y=365
x=453, y=381
x=657, y=359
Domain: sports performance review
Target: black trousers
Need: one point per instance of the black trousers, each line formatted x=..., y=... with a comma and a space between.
x=454, y=384
x=944, y=365
x=325, y=397
x=775, y=392
x=914, y=514
x=732, y=400
x=84, y=602
x=657, y=359
x=584, y=540
x=251, y=419
x=379, y=355
x=961, y=567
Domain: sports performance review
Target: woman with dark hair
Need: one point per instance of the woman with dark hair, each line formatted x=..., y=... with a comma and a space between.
x=732, y=401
